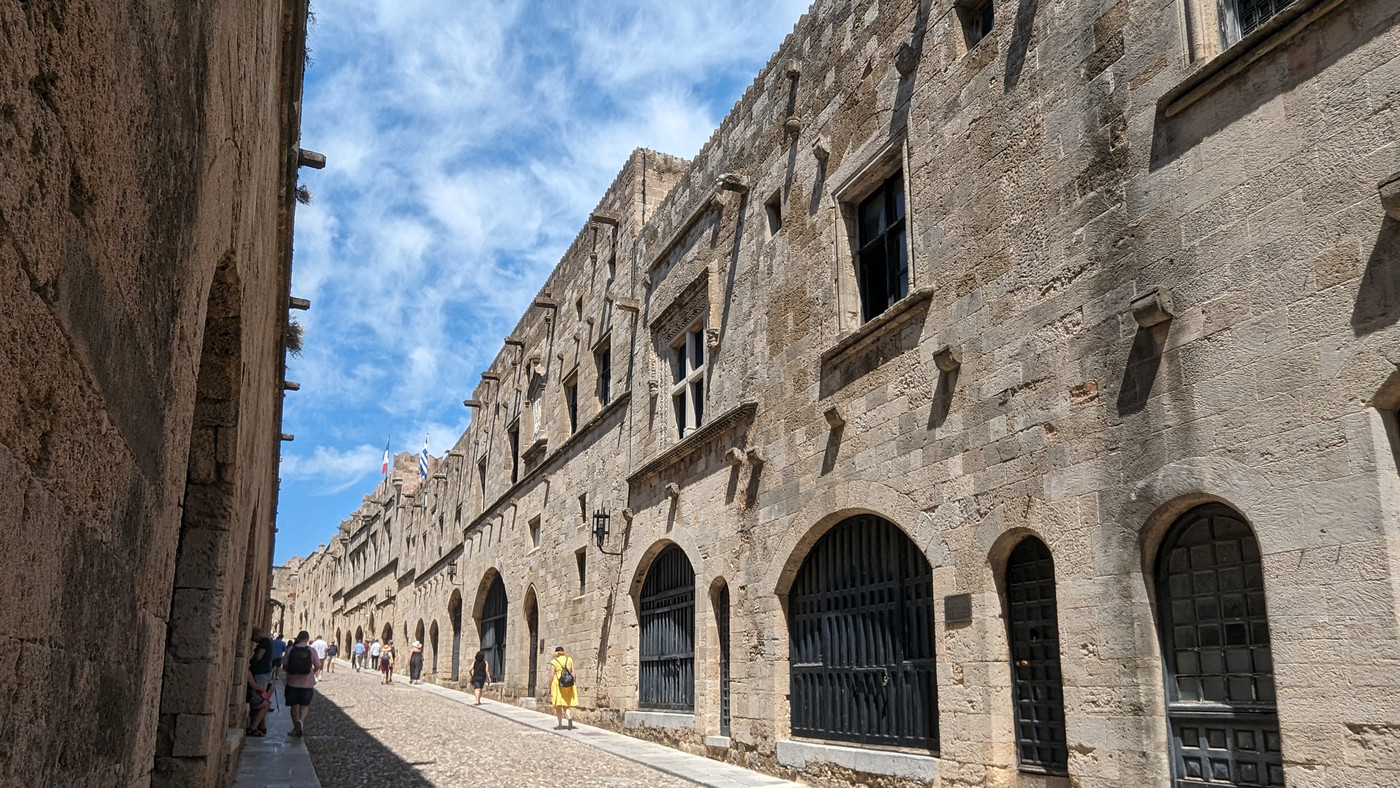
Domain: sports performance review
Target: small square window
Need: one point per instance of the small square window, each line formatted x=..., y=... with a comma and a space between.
x=882, y=259
x=688, y=378
x=978, y=18
x=774, y=209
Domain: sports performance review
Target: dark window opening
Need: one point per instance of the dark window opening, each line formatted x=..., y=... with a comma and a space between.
x=536, y=535
x=514, y=433
x=1032, y=628
x=774, y=210
x=1219, y=663
x=861, y=648
x=882, y=262
x=977, y=17
x=603, y=360
x=722, y=626
x=581, y=559
x=1252, y=14
x=571, y=403
x=481, y=475
x=666, y=629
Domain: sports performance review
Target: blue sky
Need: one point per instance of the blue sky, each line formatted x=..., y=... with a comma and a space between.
x=467, y=143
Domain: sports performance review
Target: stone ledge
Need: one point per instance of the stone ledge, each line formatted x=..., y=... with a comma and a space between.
x=798, y=754
x=718, y=742
x=877, y=326
x=669, y=720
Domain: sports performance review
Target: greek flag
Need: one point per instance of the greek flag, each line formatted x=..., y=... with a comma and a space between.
x=423, y=460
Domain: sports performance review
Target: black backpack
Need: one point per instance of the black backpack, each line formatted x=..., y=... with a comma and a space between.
x=299, y=660
x=566, y=676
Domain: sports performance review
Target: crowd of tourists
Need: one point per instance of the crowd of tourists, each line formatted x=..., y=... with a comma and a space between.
x=300, y=662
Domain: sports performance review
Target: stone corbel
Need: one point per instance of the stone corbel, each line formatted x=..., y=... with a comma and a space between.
x=673, y=490
x=1151, y=308
x=947, y=359
x=834, y=418
x=735, y=456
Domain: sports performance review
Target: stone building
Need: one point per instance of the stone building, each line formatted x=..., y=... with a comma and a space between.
x=148, y=161
x=1005, y=395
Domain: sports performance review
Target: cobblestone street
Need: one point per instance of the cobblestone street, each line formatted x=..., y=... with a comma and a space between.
x=363, y=733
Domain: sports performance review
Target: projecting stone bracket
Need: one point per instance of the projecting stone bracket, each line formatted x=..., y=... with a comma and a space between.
x=1390, y=196
x=1152, y=308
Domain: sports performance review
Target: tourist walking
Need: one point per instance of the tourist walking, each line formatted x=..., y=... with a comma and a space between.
x=481, y=673
x=279, y=650
x=561, y=687
x=302, y=664
x=319, y=646
x=386, y=661
x=415, y=663
x=332, y=651
x=357, y=655
x=374, y=649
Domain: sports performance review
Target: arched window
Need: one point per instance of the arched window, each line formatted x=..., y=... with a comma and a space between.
x=1215, y=641
x=493, y=627
x=861, y=629
x=1033, y=634
x=454, y=617
x=722, y=629
x=667, y=633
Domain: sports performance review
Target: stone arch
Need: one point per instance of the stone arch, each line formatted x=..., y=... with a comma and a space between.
x=720, y=607
x=359, y=634
x=387, y=634
x=454, y=618
x=1025, y=569
x=665, y=602
x=212, y=560
x=432, y=644
x=802, y=545
x=492, y=614
x=530, y=608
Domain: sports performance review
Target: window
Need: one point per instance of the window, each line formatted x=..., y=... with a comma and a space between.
x=603, y=360
x=492, y=629
x=882, y=263
x=864, y=576
x=774, y=209
x=666, y=630
x=977, y=18
x=1033, y=633
x=514, y=434
x=688, y=378
x=481, y=475
x=535, y=536
x=578, y=307
x=1221, y=708
x=581, y=559
x=571, y=402
x=1242, y=17
x=583, y=508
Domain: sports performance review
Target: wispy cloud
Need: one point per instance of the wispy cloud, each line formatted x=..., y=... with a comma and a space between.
x=467, y=142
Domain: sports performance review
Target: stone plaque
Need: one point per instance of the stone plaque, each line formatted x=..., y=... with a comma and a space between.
x=957, y=609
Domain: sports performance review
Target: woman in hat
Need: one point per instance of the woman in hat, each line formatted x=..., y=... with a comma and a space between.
x=415, y=663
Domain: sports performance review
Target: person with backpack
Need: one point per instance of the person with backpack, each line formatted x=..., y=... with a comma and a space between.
x=302, y=664
x=386, y=661
x=561, y=687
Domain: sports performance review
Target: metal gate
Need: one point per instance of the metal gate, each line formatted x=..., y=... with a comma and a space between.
x=1033, y=632
x=532, y=623
x=493, y=628
x=667, y=624
x=722, y=624
x=454, y=614
x=862, y=648
x=1219, y=664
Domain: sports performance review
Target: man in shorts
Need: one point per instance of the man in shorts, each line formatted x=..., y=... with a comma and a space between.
x=357, y=655
x=301, y=686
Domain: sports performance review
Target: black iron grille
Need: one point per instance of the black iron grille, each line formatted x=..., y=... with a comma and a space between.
x=722, y=624
x=493, y=628
x=1220, y=676
x=1034, y=635
x=667, y=625
x=1253, y=13
x=862, y=646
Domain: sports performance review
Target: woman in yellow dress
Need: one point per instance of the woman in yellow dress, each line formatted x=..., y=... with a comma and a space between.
x=562, y=695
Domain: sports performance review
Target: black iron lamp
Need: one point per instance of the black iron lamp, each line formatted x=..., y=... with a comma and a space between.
x=452, y=572
x=600, y=531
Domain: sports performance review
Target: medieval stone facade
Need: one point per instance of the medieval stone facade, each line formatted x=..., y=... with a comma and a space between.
x=148, y=161
x=1005, y=395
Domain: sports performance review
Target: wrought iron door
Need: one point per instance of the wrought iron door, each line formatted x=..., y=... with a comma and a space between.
x=722, y=624
x=862, y=648
x=1033, y=632
x=667, y=633
x=493, y=628
x=532, y=622
x=454, y=614
x=1215, y=643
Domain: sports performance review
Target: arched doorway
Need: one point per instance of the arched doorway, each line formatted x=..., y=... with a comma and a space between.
x=454, y=616
x=861, y=644
x=532, y=627
x=338, y=642
x=388, y=634
x=359, y=634
x=1216, y=650
x=666, y=633
x=1033, y=635
x=433, y=645
x=418, y=632
x=492, y=627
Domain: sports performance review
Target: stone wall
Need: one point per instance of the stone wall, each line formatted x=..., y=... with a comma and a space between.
x=1056, y=175
x=148, y=154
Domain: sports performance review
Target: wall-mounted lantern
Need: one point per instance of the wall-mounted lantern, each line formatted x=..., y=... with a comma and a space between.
x=452, y=572
x=600, y=531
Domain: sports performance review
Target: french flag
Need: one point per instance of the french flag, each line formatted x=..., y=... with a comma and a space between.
x=384, y=469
